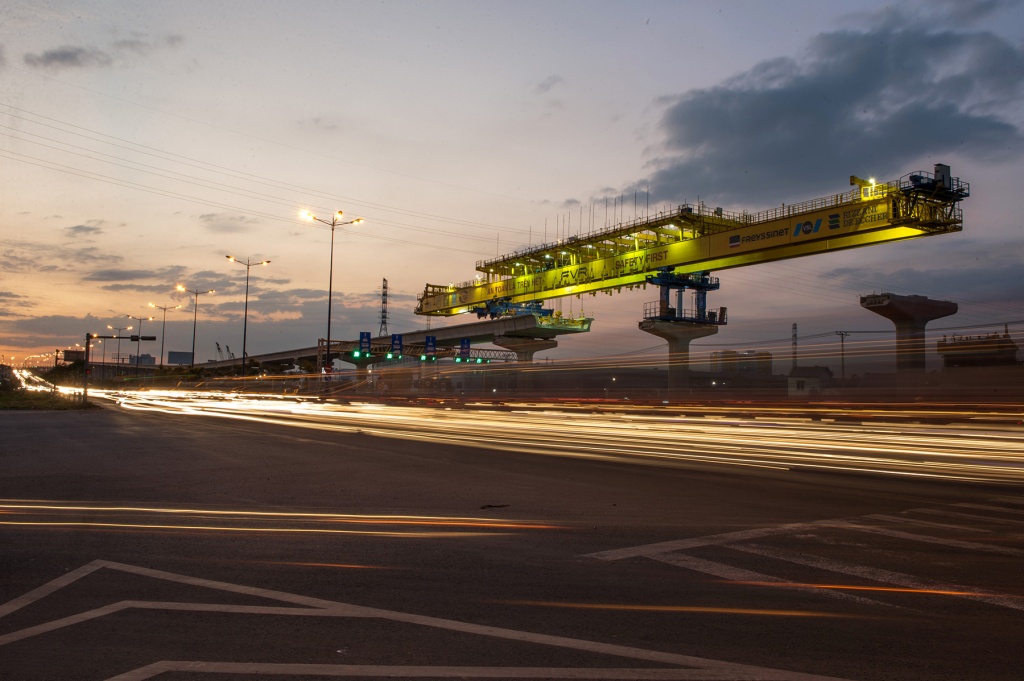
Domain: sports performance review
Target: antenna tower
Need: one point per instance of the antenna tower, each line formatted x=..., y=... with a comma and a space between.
x=383, y=310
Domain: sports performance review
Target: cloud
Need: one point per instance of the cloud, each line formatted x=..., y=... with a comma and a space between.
x=69, y=57
x=546, y=85
x=879, y=102
x=319, y=123
x=226, y=223
x=167, y=274
x=83, y=230
x=75, y=56
x=30, y=256
x=1001, y=284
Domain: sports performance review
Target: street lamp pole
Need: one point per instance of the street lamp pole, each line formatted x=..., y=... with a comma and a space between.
x=119, y=329
x=163, y=330
x=195, y=317
x=245, y=315
x=335, y=222
x=138, y=343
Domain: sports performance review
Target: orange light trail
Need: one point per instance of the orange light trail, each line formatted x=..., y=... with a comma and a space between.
x=327, y=517
x=331, y=565
x=853, y=587
x=135, y=517
x=209, y=528
x=682, y=608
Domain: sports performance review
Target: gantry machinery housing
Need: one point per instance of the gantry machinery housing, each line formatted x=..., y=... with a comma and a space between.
x=695, y=239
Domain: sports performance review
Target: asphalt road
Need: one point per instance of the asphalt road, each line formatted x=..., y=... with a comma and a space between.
x=141, y=544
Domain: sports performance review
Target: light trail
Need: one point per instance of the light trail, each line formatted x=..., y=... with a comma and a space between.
x=966, y=445
x=54, y=515
x=852, y=587
x=683, y=608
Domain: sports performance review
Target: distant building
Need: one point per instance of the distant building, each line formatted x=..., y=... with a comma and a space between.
x=175, y=357
x=809, y=381
x=993, y=350
x=744, y=362
x=143, y=359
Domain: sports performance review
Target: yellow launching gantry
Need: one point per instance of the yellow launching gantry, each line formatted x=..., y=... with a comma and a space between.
x=697, y=239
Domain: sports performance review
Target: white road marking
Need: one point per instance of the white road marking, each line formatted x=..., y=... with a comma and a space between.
x=969, y=516
x=924, y=523
x=882, y=576
x=972, y=546
x=983, y=507
x=46, y=589
x=652, y=550
x=736, y=574
x=702, y=668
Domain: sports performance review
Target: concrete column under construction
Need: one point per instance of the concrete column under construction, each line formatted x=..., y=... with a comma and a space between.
x=678, y=334
x=525, y=348
x=910, y=314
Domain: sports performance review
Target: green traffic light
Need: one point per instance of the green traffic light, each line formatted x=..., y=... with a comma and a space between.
x=356, y=354
x=423, y=358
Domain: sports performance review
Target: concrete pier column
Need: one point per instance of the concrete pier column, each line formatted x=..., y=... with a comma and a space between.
x=910, y=314
x=678, y=335
x=525, y=349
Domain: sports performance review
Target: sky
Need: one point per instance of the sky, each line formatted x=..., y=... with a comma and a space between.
x=141, y=143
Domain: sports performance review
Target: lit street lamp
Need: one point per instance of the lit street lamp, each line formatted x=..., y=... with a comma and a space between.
x=195, y=316
x=335, y=222
x=245, y=315
x=163, y=331
x=138, y=342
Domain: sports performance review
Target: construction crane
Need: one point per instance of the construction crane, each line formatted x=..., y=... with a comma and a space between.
x=222, y=355
x=695, y=239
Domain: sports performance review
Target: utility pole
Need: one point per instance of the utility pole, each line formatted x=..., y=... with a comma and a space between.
x=842, y=352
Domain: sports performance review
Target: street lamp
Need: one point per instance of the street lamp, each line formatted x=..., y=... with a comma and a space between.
x=119, y=329
x=138, y=342
x=163, y=330
x=335, y=222
x=195, y=314
x=245, y=316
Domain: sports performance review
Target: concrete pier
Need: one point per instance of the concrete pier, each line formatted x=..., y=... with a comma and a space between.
x=678, y=334
x=910, y=314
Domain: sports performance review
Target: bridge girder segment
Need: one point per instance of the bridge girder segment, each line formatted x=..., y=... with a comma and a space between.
x=699, y=239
